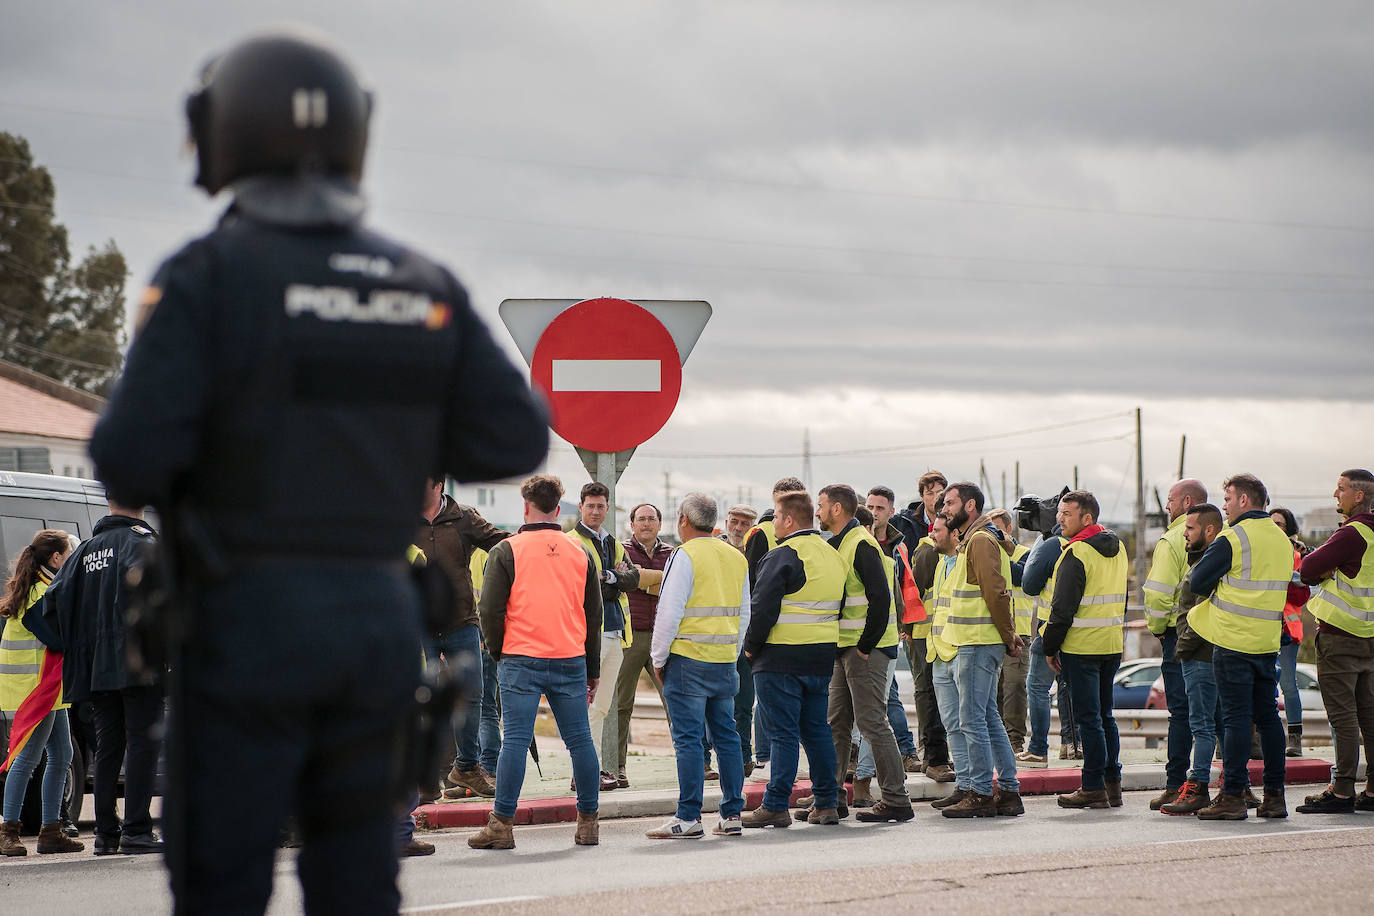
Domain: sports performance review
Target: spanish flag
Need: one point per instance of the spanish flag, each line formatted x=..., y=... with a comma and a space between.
x=35, y=706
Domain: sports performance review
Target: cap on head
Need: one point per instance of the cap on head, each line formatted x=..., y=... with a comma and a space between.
x=278, y=104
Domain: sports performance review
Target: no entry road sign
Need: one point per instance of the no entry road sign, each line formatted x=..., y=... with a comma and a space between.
x=611, y=372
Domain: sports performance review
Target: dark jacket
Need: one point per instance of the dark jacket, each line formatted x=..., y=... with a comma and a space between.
x=911, y=522
x=643, y=603
x=268, y=359
x=497, y=578
x=1070, y=579
x=1215, y=562
x=781, y=572
x=449, y=541
x=756, y=546
x=86, y=603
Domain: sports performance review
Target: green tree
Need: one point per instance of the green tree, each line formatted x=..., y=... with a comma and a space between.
x=64, y=321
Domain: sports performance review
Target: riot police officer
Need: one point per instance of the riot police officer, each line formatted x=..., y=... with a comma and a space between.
x=288, y=347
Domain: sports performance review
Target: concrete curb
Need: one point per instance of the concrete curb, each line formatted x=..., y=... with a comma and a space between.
x=663, y=802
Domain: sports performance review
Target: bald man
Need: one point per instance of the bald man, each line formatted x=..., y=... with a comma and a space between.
x=1162, y=588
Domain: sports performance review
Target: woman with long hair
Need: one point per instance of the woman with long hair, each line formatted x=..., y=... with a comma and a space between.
x=31, y=696
x=1292, y=632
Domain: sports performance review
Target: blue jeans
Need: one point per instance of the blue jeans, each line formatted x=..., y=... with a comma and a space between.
x=947, y=699
x=976, y=669
x=1249, y=693
x=1288, y=683
x=1176, y=696
x=52, y=735
x=762, y=738
x=1090, y=682
x=564, y=682
x=1201, y=685
x=489, y=732
x=796, y=706
x=405, y=822
x=1038, y=702
x=701, y=696
x=462, y=650
x=896, y=717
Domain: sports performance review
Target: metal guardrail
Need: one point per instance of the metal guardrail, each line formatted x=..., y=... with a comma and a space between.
x=1150, y=724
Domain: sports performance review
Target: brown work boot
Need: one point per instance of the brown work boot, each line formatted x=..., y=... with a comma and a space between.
x=498, y=834
x=763, y=817
x=1114, y=794
x=973, y=805
x=417, y=848
x=1294, y=748
x=588, y=831
x=1250, y=800
x=1272, y=806
x=1192, y=798
x=950, y=800
x=1226, y=808
x=911, y=763
x=863, y=793
x=473, y=780
x=9, y=840
x=52, y=839
x=1167, y=797
x=1085, y=798
x=940, y=772
x=1009, y=804
x=883, y=813
x=826, y=816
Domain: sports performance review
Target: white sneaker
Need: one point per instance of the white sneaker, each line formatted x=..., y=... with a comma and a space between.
x=729, y=826
x=678, y=830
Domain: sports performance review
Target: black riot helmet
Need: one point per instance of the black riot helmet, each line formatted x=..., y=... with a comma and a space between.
x=281, y=104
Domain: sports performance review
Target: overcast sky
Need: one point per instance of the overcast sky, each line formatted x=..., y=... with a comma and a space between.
x=916, y=223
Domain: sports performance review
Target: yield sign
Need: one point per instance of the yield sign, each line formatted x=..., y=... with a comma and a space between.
x=611, y=368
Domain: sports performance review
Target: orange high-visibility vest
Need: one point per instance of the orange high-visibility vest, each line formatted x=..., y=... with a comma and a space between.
x=545, y=614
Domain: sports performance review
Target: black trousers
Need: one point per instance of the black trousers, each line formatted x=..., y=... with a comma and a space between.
x=299, y=687
x=127, y=732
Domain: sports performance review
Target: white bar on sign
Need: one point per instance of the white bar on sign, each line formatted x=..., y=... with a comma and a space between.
x=607, y=375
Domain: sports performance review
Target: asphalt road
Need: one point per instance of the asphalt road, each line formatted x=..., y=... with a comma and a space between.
x=1125, y=860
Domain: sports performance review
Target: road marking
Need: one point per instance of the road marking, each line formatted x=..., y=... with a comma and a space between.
x=440, y=907
x=607, y=375
x=1299, y=831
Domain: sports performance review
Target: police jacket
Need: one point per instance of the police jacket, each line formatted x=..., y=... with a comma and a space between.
x=86, y=603
x=297, y=377
x=449, y=540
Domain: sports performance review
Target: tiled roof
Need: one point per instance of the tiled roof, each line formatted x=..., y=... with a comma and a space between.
x=31, y=412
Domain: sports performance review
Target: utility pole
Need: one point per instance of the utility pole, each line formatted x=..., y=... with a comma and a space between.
x=1139, y=503
x=1004, y=488
x=667, y=492
x=806, y=457
x=1182, y=447
x=983, y=478
x=1075, y=477
x=1018, y=481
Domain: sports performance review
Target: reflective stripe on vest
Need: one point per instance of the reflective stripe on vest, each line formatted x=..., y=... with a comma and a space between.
x=811, y=615
x=854, y=615
x=767, y=529
x=1174, y=542
x=1245, y=613
x=1345, y=602
x=1097, y=626
x=1022, y=605
x=21, y=657
x=936, y=645
x=709, y=630
x=970, y=619
x=617, y=556
x=1044, y=600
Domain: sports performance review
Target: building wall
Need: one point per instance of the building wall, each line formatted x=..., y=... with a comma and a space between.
x=67, y=457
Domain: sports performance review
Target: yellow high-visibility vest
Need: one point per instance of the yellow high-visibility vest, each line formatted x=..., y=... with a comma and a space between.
x=811, y=615
x=1345, y=602
x=1097, y=626
x=1245, y=613
x=617, y=556
x=709, y=631
x=1168, y=568
x=938, y=611
x=1022, y=605
x=21, y=657
x=854, y=614
x=970, y=619
x=1042, y=600
x=922, y=630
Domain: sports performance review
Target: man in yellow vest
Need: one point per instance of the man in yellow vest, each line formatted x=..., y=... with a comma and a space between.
x=758, y=540
x=925, y=562
x=940, y=655
x=703, y=614
x=1245, y=575
x=1084, y=639
x=1168, y=569
x=1011, y=688
x=980, y=627
x=618, y=578
x=793, y=630
x=867, y=642
x=1342, y=570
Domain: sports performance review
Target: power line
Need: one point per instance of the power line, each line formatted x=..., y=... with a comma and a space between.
x=891, y=449
x=62, y=359
x=779, y=184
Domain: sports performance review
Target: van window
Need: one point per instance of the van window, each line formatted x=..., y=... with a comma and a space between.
x=16, y=533
x=64, y=525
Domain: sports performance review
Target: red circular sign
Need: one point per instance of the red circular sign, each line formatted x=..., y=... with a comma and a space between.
x=611, y=373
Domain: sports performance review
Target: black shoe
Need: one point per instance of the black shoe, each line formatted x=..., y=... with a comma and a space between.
x=106, y=845
x=1364, y=801
x=69, y=829
x=140, y=844
x=1329, y=802
x=883, y=813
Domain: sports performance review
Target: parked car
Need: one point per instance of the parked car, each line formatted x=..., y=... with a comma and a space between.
x=1131, y=686
x=1308, y=691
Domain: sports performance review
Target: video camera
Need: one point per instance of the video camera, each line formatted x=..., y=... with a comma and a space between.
x=1036, y=514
